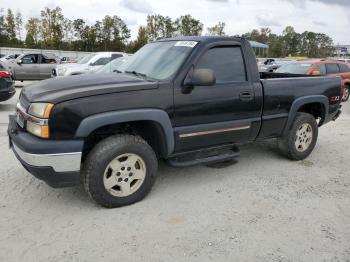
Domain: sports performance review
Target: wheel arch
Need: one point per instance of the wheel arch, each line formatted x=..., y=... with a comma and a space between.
x=311, y=105
x=153, y=125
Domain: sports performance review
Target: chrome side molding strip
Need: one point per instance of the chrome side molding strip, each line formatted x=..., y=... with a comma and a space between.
x=215, y=131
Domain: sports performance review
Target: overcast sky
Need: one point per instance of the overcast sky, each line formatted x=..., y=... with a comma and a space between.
x=327, y=16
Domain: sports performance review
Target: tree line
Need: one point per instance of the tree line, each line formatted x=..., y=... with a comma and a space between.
x=52, y=30
x=291, y=43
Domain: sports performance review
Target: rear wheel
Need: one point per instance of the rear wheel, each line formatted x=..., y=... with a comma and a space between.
x=120, y=170
x=301, y=139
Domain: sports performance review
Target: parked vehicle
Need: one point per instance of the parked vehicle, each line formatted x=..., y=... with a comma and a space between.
x=89, y=63
x=9, y=57
x=321, y=68
x=68, y=60
x=346, y=60
x=270, y=64
x=7, y=88
x=188, y=100
x=112, y=66
x=32, y=66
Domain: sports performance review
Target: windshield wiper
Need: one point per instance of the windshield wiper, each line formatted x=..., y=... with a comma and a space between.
x=117, y=71
x=136, y=73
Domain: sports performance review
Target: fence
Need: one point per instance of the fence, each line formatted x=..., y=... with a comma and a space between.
x=59, y=53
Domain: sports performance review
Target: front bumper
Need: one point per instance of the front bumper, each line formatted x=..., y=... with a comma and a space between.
x=57, y=162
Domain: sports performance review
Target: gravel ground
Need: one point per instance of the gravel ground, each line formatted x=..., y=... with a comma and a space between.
x=263, y=208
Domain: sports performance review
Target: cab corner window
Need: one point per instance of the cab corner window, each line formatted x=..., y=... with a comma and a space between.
x=46, y=60
x=226, y=62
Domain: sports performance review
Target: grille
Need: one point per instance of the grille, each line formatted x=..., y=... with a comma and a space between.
x=24, y=102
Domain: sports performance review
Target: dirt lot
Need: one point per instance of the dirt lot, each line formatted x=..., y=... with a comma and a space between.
x=264, y=208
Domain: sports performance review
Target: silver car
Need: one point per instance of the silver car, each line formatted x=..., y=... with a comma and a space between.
x=88, y=64
x=32, y=66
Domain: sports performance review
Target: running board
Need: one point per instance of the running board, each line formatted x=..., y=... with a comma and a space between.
x=208, y=156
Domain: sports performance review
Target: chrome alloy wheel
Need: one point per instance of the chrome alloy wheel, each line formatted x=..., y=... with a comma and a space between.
x=303, y=137
x=124, y=175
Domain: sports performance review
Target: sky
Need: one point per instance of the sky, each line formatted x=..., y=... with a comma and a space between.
x=324, y=16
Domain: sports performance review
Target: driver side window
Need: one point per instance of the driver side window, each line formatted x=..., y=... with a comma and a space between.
x=226, y=62
x=30, y=59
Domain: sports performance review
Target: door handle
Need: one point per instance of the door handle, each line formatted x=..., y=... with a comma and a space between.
x=246, y=96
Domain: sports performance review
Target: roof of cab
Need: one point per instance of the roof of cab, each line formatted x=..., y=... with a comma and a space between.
x=210, y=39
x=201, y=38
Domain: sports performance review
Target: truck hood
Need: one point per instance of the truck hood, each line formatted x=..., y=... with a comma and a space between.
x=57, y=90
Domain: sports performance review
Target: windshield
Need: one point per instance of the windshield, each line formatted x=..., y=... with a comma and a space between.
x=158, y=60
x=85, y=59
x=112, y=66
x=294, y=68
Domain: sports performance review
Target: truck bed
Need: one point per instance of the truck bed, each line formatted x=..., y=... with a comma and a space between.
x=281, y=90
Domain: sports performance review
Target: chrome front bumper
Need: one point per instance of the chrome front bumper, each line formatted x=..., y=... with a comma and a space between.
x=57, y=162
x=63, y=162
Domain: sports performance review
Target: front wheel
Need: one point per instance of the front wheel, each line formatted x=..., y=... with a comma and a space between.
x=120, y=170
x=346, y=93
x=301, y=139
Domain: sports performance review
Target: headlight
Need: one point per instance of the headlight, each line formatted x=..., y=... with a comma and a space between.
x=37, y=120
x=61, y=71
x=41, y=110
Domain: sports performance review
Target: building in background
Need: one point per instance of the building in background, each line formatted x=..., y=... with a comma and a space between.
x=342, y=50
x=261, y=50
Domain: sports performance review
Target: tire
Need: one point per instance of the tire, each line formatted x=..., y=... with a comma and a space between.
x=301, y=139
x=112, y=161
x=346, y=93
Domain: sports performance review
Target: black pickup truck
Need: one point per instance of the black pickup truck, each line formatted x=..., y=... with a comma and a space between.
x=187, y=100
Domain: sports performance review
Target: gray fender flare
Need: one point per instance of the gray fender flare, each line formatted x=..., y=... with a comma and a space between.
x=299, y=102
x=93, y=122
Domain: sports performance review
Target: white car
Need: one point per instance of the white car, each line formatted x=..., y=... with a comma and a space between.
x=87, y=64
x=346, y=60
x=9, y=57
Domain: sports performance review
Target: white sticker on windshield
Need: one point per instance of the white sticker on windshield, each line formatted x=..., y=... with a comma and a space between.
x=186, y=43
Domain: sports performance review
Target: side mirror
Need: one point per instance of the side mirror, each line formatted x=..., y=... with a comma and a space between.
x=19, y=61
x=316, y=73
x=200, y=77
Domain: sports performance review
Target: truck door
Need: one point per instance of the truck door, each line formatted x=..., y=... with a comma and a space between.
x=27, y=68
x=46, y=66
x=223, y=113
